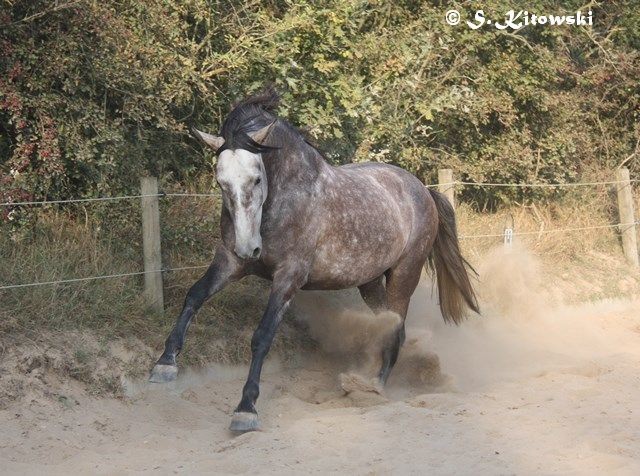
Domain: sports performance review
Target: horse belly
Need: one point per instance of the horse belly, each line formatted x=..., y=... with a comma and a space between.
x=349, y=261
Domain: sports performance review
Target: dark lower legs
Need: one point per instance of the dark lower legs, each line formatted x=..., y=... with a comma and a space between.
x=260, y=345
x=374, y=294
x=285, y=284
x=223, y=269
x=390, y=352
x=400, y=285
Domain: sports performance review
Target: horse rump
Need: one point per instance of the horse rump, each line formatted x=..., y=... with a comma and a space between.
x=455, y=291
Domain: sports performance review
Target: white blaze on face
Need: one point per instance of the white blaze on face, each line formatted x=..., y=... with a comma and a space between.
x=243, y=181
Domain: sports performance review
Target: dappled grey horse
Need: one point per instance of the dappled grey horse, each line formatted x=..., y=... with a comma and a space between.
x=290, y=217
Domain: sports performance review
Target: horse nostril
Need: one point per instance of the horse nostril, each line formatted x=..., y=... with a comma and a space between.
x=256, y=253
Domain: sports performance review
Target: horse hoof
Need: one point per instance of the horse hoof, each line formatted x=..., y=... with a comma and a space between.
x=163, y=373
x=244, y=421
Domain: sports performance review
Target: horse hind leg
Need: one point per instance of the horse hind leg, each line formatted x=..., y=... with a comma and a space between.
x=402, y=281
x=374, y=294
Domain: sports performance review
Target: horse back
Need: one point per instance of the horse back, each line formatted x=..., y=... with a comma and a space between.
x=370, y=215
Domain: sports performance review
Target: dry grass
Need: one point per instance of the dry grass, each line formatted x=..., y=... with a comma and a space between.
x=588, y=264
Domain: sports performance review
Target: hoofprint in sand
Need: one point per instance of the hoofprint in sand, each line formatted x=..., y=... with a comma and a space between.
x=531, y=387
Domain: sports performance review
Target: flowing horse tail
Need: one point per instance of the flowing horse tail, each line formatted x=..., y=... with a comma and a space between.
x=454, y=287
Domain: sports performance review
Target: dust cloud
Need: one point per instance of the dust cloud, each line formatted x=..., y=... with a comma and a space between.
x=341, y=322
x=524, y=330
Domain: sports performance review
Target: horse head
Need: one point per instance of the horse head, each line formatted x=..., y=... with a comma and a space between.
x=243, y=180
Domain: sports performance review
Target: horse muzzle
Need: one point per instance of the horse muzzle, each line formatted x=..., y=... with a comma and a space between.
x=251, y=251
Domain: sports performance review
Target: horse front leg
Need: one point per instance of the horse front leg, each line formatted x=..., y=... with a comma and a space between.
x=285, y=285
x=224, y=268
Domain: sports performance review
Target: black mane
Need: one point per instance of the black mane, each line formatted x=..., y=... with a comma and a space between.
x=254, y=113
x=250, y=115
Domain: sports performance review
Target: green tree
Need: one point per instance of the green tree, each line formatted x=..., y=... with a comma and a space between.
x=92, y=94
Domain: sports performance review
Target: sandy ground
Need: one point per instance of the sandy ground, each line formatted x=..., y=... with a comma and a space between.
x=532, y=387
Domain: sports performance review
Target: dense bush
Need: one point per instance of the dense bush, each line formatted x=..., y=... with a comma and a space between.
x=93, y=94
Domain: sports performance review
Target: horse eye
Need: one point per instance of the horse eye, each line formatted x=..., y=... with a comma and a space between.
x=258, y=180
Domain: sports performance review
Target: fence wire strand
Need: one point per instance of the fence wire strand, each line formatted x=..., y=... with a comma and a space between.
x=93, y=278
x=532, y=185
x=556, y=230
x=106, y=199
x=545, y=185
x=191, y=194
x=76, y=200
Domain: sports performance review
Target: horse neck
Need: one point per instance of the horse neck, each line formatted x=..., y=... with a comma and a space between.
x=298, y=165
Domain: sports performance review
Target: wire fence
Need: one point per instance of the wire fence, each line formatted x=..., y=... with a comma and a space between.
x=619, y=226
x=556, y=230
x=531, y=185
x=534, y=185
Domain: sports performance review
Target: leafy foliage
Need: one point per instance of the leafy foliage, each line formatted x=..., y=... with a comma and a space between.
x=93, y=94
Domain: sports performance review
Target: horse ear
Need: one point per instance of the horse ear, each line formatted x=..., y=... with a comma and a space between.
x=260, y=135
x=214, y=142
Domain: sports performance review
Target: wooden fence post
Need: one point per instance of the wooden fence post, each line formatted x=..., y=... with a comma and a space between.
x=153, y=292
x=446, y=185
x=627, y=217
